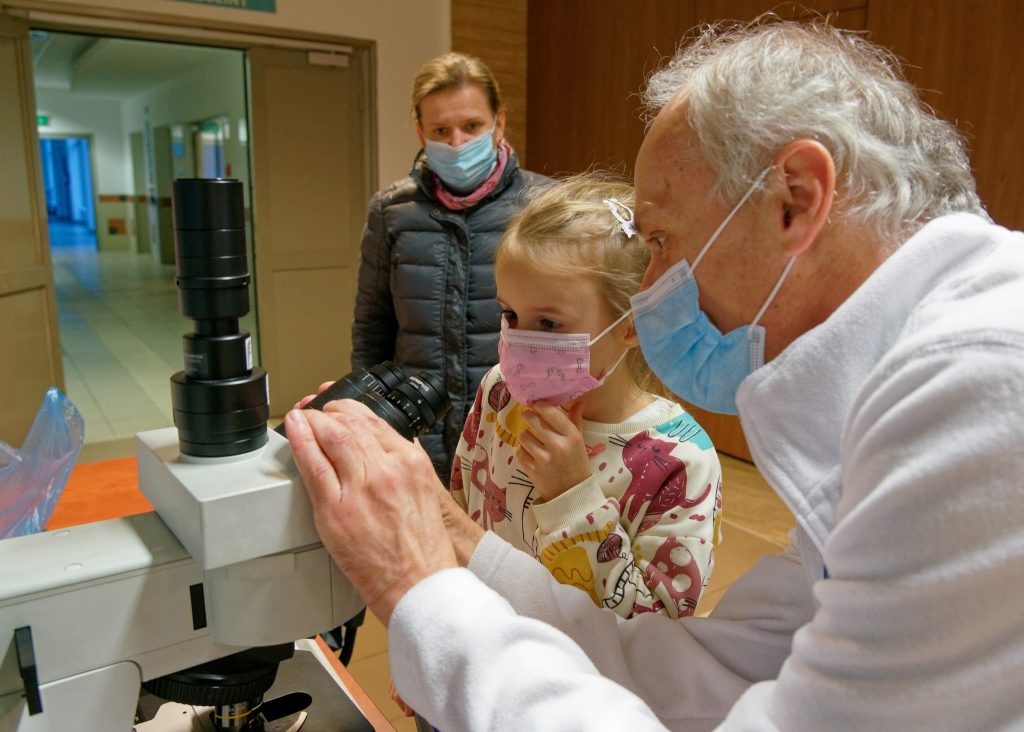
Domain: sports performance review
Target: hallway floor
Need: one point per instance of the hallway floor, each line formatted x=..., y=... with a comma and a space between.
x=120, y=335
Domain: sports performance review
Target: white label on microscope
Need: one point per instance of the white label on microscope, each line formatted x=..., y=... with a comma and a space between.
x=248, y=353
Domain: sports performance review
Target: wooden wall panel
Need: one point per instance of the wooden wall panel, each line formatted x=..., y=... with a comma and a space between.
x=965, y=59
x=495, y=32
x=587, y=63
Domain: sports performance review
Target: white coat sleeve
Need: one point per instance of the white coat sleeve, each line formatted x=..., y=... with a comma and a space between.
x=688, y=672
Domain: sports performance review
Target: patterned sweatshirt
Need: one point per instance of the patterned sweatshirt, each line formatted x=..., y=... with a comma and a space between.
x=638, y=535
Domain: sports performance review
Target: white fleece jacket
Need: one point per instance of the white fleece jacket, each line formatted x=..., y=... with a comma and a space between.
x=895, y=433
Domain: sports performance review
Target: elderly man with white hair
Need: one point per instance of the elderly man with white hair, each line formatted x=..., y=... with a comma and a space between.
x=822, y=266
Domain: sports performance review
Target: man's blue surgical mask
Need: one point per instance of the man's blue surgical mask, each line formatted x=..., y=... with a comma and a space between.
x=681, y=345
x=462, y=169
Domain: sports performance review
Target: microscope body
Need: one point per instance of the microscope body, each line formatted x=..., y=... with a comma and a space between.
x=229, y=560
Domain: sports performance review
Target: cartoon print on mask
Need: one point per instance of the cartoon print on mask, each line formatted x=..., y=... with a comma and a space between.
x=673, y=568
x=556, y=373
x=495, y=509
x=658, y=478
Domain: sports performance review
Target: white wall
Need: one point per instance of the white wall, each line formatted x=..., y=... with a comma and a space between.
x=73, y=114
x=192, y=97
x=407, y=33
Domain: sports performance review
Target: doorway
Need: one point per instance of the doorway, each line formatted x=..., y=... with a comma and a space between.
x=309, y=131
x=156, y=111
x=68, y=187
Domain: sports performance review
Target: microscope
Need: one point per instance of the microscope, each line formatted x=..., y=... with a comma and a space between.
x=202, y=601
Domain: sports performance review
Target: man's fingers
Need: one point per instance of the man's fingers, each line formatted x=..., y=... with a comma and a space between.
x=346, y=443
x=360, y=416
x=317, y=471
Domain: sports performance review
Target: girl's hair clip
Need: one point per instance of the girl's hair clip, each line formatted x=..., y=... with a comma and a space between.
x=617, y=208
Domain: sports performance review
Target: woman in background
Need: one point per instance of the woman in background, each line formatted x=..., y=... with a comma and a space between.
x=426, y=297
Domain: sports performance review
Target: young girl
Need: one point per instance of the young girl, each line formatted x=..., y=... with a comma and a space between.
x=565, y=454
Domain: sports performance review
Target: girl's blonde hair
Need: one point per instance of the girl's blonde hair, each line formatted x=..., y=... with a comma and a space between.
x=454, y=71
x=568, y=229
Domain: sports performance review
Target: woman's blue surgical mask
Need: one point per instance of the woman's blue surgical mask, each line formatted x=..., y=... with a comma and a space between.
x=462, y=169
x=681, y=345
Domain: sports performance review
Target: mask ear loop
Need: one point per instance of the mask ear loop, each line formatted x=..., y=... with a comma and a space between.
x=607, y=330
x=748, y=194
x=774, y=292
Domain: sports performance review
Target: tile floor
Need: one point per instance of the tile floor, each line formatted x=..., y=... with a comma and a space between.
x=120, y=334
x=121, y=340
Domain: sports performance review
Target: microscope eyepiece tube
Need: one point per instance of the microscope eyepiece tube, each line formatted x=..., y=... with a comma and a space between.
x=220, y=400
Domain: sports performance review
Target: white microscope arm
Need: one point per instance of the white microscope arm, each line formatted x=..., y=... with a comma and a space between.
x=115, y=603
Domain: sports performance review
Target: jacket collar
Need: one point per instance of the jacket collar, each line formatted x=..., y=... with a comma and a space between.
x=424, y=178
x=794, y=409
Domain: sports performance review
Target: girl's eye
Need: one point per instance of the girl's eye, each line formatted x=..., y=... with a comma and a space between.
x=472, y=126
x=510, y=317
x=440, y=131
x=548, y=324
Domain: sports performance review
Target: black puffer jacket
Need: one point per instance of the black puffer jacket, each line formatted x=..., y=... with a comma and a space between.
x=426, y=297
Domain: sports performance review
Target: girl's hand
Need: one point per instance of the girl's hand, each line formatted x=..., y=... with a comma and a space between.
x=551, y=448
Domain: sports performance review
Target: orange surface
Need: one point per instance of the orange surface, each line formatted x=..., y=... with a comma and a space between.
x=370, y=710
x=97, y=491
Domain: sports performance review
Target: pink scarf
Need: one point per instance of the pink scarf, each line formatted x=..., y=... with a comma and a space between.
x=455, y=202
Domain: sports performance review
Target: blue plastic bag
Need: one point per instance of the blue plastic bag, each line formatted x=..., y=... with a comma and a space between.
x=32, y=478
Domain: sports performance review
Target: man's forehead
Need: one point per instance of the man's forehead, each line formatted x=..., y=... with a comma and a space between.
x=668, y=151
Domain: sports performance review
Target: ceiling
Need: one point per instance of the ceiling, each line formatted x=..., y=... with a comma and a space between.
x=112, y=67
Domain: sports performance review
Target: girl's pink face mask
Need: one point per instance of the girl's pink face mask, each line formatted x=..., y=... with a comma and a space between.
x=549, y=367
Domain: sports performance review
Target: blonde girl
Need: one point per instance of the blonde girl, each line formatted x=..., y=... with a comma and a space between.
x=567, y=454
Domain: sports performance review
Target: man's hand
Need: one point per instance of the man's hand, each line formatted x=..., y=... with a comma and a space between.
x=551, y=448
x=374, y=497
x=464, y=532
x=310, y=397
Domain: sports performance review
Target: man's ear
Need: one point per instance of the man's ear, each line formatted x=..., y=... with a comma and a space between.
x=802, y=209
x=419, y=134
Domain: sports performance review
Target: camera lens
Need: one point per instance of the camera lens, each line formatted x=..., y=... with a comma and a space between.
x=220, y=400
x=410, y=405
x=413, y=406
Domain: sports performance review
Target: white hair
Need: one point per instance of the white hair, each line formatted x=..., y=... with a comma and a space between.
x=752, y=89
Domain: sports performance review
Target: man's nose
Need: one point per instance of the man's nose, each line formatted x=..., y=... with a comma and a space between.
x=458, y=137
x=651, y=274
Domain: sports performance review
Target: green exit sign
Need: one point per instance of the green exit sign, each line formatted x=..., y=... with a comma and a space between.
x=42, y=120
